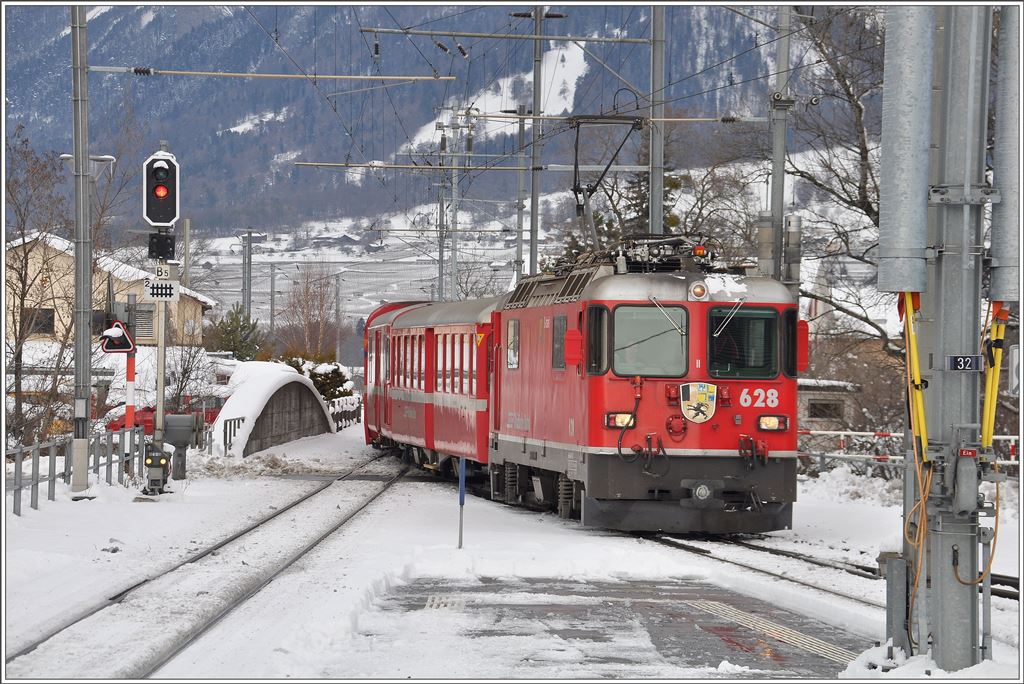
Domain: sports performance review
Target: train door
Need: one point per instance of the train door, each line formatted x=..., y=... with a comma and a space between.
x=385, y=383
x=378, y=379
x=494, y=370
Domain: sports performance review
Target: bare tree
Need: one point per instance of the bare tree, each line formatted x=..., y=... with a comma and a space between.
x=309, y=312
x=476, y=280
x=34, y=209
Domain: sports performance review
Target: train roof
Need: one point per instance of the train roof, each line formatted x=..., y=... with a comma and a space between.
x=388, y=317
x=471, y=311
x=722, y=287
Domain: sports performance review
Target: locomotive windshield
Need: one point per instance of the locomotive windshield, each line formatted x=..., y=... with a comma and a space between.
x=742, y=343
x=649, y=341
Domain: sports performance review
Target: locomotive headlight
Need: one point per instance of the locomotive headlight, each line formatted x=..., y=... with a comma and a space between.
x=163, y=461
x=777, y=423
x=149, y=461
x=698, y=291
x=619, y=420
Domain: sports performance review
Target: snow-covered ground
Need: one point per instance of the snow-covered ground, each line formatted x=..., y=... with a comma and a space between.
x=327, y=616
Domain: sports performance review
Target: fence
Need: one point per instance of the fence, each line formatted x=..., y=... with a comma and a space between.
x=820, y=446
x=231, y=426
x=346, y=410
x=130, y=446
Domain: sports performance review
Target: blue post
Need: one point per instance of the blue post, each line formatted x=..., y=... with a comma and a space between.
x=462, y=495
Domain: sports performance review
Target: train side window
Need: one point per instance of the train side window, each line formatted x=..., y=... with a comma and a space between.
x=437, y=362
x=789, y=317
x=465, y=363
x=597, y=340
x=422, y=346
x=418, y=362
x=473, y=347
x=459, y=361
x=371, y=359
x=385, y=360
x=512, y=345
x=446, y=371
x=558, y=342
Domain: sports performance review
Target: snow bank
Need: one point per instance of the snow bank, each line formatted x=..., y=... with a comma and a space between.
x=871, y=662
x=252, y=384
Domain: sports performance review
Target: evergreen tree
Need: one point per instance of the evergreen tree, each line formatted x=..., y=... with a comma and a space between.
x=328, y=378
x=234, y=333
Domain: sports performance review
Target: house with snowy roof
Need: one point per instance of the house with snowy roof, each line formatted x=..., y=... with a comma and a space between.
x=39, y=294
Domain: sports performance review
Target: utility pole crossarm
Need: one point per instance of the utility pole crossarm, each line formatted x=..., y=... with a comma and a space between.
x=149, y=71
x=504, y=36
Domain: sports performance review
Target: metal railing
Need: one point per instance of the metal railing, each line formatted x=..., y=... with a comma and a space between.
x=885, y=460
x=346, y=410
x=231, y=426
x=130, y=446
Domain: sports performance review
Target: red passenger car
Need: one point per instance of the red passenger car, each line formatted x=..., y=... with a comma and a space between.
x=635, y=401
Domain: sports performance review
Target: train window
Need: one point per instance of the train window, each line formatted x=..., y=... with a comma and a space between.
x=649, y=341
x=439, y=362
x=789, y=342
x=371, y=359
x=419, y=362
x=446, y=378
x=415, y=361
x=558, y=342
x=512, y=345
x=465, y=363
x=456, y=364
x=597, y=340
x=385, y=360
x=473, y=348
x=742, y=343
x=422, y=345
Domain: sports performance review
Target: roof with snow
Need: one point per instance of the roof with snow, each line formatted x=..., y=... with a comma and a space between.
x=252, y=385
x=105, y=263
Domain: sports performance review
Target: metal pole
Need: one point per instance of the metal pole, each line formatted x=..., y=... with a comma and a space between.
x=337, y=318
x=657, y=151
x=903, y=203
x=83, y=250
x=440, y=238
x=462, y=495
x=188, y=253
x=273, y=293
x=129, y=375
x=247, y=275
x=780, y=113
x=455, y=208
x=950, y=325
x=520, y=204
x=1005, y=249
x=538, y=18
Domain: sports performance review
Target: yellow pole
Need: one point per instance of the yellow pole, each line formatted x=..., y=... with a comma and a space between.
x=917, y=394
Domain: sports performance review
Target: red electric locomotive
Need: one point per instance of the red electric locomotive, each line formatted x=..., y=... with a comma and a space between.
x=642, y=401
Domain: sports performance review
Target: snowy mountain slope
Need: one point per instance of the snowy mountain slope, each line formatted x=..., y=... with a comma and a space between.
x=225, y=140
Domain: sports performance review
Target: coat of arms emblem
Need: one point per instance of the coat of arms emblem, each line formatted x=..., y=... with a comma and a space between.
x=697, y=400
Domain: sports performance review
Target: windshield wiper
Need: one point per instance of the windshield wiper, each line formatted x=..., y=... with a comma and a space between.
x=665, y=314
x=732, y=312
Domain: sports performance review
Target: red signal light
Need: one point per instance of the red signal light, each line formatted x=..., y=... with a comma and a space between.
x=160, y=191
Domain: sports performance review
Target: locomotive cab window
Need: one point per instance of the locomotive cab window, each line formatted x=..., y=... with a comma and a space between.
x=649, y=341
x=597, y=340
x=743, y=343
x=512, y=345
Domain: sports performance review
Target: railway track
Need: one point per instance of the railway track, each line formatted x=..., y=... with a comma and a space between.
x=221, y=555
x=710, y=553
x=864, y=571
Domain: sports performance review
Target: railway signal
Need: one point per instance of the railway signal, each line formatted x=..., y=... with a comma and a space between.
x=116, y=339
x=161, y=199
